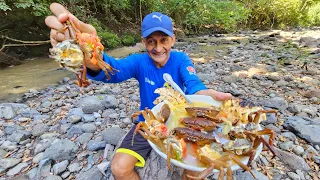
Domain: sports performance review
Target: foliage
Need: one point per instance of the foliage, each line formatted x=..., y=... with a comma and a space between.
x=122, y=18
x=128, y=40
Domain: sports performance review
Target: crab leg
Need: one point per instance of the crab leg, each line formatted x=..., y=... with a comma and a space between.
x=235, y=159
x=269, y=132
x=258, y=113
x=154, y=139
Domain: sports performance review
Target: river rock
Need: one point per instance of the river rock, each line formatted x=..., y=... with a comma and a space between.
x=90, y=104
x=17, y=169
x=277, y=103
x=61, y=150
x=305, y=129
x=240, y=175
x=39, y=129
x=60, y=167
x=9, y=162
x=91, y=174
x=113, y=135
x=6, y=112
x=110, y=102
x=293, y=161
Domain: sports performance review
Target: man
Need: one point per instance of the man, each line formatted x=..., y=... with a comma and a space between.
x=158, y=38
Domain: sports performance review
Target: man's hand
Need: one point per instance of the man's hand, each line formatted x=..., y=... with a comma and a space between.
x=219, y=96
x=56, y=23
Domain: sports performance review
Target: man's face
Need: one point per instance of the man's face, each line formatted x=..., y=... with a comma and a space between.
x=158, y=45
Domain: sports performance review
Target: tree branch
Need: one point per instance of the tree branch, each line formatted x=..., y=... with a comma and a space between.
x=24, y=43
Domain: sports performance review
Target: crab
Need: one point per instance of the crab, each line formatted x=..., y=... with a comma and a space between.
x=169, y=96
x=200, y=124
x=215, y=160
x=71, y=53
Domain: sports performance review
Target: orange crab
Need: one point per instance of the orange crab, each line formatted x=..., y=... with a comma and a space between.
x=71, y=53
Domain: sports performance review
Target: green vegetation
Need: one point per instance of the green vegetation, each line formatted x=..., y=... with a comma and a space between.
x=118, y=21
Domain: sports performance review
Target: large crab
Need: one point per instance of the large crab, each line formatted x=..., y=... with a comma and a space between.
x=215, y=160
x=71, y=53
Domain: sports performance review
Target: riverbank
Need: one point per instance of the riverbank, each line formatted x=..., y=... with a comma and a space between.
x=63, y=132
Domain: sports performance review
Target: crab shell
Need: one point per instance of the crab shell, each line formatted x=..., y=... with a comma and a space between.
x=239, y=146
x=68, y=55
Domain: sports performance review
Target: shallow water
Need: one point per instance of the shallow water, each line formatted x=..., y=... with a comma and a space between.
x=39, y=73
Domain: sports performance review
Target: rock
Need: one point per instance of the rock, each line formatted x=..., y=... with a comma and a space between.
x=19, y=135
x=84, y=138
x=293, y=161
x=293, y=176
x=53, y=177
x=74, y=167
x=76, y=111
x=89, y=127
x=273, y=78
x=289, y=135
x=95, y=145
x=294, y=108
x=113, y=135
x=60, y=167
x=74, y=130
x=38, y=158
x=89, y=117
x=39, y=129
x=305, y=129
x=2, y=153
x=110, y=102
x=90, y=104
x=298, y=150
x=61, y=150
x=312, y=93
x=9, y=162
x=91, y=174
x=127, y=121
x=6, y=112
x=74, y=119
x=277, y=103
x=240, y=175
x=17, y=169
x=230, y=79
x=286, y=145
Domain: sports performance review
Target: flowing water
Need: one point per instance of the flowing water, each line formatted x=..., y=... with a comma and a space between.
x=40, y=73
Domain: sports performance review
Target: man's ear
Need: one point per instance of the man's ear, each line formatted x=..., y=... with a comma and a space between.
x=144, y=41
x=173, y=40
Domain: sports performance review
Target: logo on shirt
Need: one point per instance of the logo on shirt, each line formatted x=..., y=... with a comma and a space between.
x=149, y=81
x=191, y=70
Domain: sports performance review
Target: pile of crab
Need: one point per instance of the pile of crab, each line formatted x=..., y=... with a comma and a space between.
x=238, y=120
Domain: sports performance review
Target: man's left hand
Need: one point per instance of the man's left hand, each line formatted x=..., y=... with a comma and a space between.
x=219, y=96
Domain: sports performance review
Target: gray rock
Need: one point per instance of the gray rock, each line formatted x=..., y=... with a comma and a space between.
x=17, y=169
x=19, y=135
x=271, y=119
x=90, y=104
x=305, y=129
x=91, y=174
x=113, y=135
x=7, y=112
x=9, y=162
x=41, y=117
x=37, y=158
x=65, y=174
x=293, y=176
x=12, y=128
x=230, y=79
x=89, y=127
x=84, y=138
x=42, y=145
x=95, y=145
x=89, y=117
x=298, y=150
x=39, y=129
x=74, y=167
x=53, y=177
x=207, y=77
x=281, y=83
x=273, y=78
x=76, y=111
x=29, y=113
x=61, y=150
x=8, y=145
x=74, y=130
x=292, y=160
x=60, y=167
x=32, y=173
x=135, y=98
x=289, y=135
x=286, y=145
x=240, y=175
x=294, y=108
x=74, y=119
x=276, y=102
x=2, y=153
x=110, y=102
x=127, y=121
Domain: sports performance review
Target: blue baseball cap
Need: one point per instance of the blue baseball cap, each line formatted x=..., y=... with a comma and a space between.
x=156, y=22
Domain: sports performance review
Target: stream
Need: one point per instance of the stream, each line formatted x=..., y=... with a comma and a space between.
x=39, y=73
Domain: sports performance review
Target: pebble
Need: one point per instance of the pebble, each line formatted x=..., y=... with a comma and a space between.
x=298, y=150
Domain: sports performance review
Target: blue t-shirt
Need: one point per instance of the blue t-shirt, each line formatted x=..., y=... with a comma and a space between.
x=142, y=68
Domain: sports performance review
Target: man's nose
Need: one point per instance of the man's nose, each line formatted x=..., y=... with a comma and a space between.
x=158, y=47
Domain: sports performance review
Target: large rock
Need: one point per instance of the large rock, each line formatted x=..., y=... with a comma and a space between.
x=305, y=129
x=277, y=103
x=91, y=174
x=6, y=112
x=90, y=104
x=293, y=161
x=61, y=150
x=113, y=135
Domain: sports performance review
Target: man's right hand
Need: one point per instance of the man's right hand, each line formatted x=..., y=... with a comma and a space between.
x=56, y=23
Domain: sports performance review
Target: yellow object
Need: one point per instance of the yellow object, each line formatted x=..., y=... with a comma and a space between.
x=141, y=161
